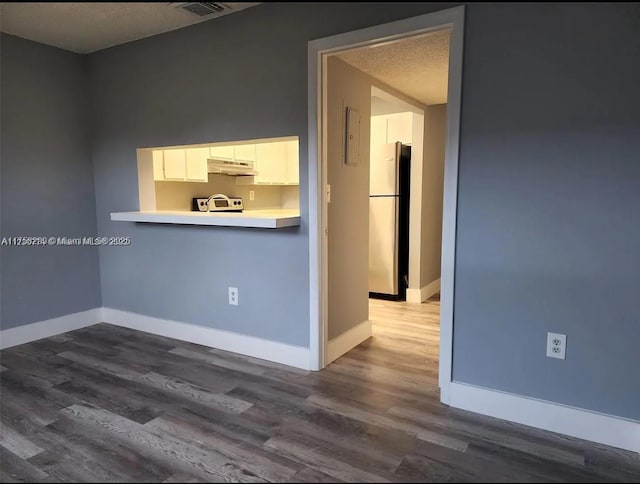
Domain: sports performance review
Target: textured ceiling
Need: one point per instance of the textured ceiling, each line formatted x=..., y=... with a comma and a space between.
x=85, y=27
x=417, y=66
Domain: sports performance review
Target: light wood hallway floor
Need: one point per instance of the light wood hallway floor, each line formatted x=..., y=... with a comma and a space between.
x=111, y=404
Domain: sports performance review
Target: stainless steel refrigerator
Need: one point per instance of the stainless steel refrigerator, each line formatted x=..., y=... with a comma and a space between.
x=389, y=221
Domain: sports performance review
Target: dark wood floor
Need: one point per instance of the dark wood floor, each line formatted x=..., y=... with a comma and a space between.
x=111, y=404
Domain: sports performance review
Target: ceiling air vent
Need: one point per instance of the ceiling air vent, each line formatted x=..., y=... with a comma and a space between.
x=203, y=9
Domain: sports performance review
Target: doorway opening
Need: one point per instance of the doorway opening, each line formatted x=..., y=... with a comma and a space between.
x=345, y=92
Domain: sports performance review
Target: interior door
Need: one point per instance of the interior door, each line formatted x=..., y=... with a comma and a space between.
x=383, y=245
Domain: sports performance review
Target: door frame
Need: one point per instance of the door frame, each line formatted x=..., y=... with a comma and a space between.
x=318, y=51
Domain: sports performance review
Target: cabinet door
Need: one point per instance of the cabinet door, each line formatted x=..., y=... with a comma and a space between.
x=175, y=164
x=158, y=165
x=271, y=161
x=244, y=152
x=378, y=130
x=221, y=152
x=399, y=128
x=197, y=164
x=293, y=163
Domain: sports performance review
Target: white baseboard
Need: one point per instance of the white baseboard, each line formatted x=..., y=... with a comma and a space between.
x=422, y=294
x=348, y=340
x=575, y=422
x=297, y=356
x=50, y=327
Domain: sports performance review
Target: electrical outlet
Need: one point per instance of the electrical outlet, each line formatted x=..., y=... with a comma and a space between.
x=252, y=195
x=233, y=296
x=556, y=345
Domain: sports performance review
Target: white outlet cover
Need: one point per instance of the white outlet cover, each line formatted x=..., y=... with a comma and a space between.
x=233, y=296
x=556, y=345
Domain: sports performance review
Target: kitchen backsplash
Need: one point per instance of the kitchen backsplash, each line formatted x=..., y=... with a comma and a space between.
x=175, y=195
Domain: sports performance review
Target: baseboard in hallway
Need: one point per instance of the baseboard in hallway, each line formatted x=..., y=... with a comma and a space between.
x=424, y=293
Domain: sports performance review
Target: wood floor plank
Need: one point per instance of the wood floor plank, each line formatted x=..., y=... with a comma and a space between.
x=372, y=418
x=311, y=475
x=175, y=365
x=253, y=426
x=122, y=462
x=483, y=433
x=253, y=459
x=416, y=468
x=61, y=338
x=20, y=410
x=224, y=402
x=209, y=465
x=216, y=360
x=16, y=443
x=482, y=467
x=108, y=392
x=531, y=464
x=119, y=370
x=42, y=367
x=320, y=460
x=17, y=469
x=374, y=459
x=181, y=477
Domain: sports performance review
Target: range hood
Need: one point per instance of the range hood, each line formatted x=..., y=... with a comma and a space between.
x=232, y=168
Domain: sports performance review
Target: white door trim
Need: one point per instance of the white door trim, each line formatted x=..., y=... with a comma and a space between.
x=318, y=50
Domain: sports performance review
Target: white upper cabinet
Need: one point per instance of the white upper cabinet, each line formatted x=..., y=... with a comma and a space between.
x=271, y=161
x=277, y=162
x=175, y=167
x=293, y=163
x=158, y=164
x=196, y=161
x=244, y=152
x=400, y=127
x=390, y=128
x=378, y=130
x=180, y=164
x=222, y=152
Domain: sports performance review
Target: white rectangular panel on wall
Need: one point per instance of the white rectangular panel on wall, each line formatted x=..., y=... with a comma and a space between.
x=352, y=140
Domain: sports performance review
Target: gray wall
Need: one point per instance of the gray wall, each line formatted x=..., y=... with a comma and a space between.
x=549, y=203
x=47, y=183
x=435, y=132
x=348, y=245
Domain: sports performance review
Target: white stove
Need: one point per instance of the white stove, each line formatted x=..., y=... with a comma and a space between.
x=218, y=203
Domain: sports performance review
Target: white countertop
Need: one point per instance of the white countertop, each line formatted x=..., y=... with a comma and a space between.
x=267, y=219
